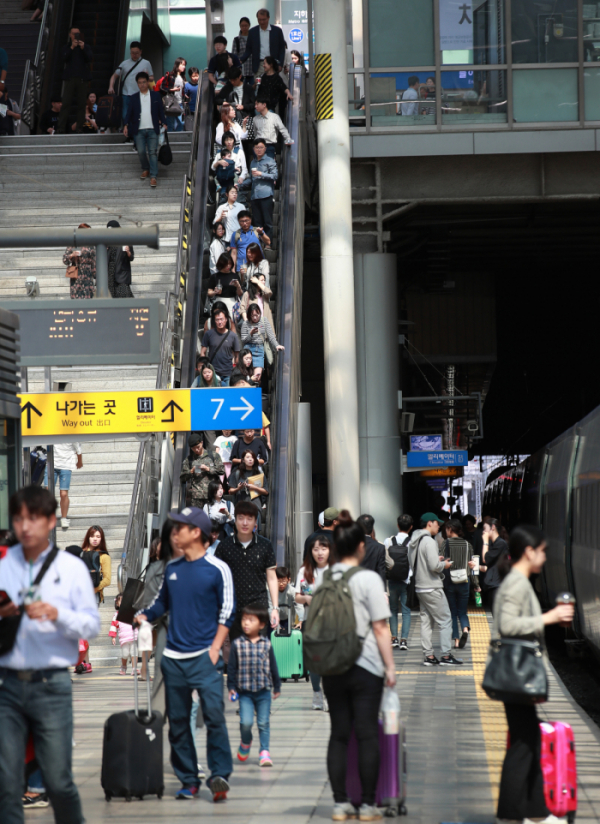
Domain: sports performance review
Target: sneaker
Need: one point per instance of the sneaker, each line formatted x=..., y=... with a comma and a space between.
x=31, y=801
x=395, y=644
x=550, y=819
x=186, y=793
x=368, y=813
x=201, y=773
x=123, y=671
x=317, y=702
x=463, y=640
x=430, y=661
x=243, y=751
x=325, y=704
x=450, y=661
x=219, y=788
x=153, y=183
x=144, y=175
x=265, y=759
x=86, y=667
x=65, y=523
x=342, y=812
x=403, y=644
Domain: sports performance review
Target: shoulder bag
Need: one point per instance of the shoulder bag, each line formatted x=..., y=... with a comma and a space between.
x=515, y=672
x=131, y=600
x=9, y=627
x=457, y=576
x=165, y=155
x=73, y=270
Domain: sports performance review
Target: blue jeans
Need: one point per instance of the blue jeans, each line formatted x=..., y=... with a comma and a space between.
x=261, y=702
x=181, y=677
x=225, y=380
x=62, y=478
x=458, y=601
x=174, y=124
x=45, y=708
x=399, y=598
x=146, y=140
x=126, y=102
x=271, y=150
x=258, y=354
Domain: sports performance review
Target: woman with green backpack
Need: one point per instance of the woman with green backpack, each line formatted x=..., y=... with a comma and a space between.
x=347, y=641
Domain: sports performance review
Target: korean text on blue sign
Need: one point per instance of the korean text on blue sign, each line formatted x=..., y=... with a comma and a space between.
x=226, y=408
x=445, y=457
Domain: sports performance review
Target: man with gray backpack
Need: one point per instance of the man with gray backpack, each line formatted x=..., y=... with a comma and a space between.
x=399, y=574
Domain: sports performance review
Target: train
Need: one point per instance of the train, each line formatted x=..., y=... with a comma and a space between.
x=558, y=489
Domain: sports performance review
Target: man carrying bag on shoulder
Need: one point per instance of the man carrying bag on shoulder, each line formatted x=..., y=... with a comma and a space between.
x=47, y=604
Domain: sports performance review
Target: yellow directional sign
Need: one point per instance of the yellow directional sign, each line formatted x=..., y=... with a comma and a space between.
x=94, y=413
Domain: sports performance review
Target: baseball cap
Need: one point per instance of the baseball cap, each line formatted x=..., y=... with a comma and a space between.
x=192, y=516
x=321, y=518
x=331, y=513
x=194, y=439
x=429, y=516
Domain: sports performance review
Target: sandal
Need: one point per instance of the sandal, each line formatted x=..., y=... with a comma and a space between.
x=122, y=671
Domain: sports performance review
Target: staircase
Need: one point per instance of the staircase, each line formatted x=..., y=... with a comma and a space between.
x=62, y=181
x=18, y=37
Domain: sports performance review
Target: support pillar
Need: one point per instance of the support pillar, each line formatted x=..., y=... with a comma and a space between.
x=378, y=376
x=102, y=271
x=335, y=201
x=304, y=501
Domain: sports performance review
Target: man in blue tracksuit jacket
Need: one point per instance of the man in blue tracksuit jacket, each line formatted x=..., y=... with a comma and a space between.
x=197, y=591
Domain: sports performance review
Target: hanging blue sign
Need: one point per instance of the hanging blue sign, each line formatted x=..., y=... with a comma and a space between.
x=446, y=457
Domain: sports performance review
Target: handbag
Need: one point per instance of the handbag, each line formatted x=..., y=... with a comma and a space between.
x=9, y=626
x=72, y=270
x=165, y=155
x=172, y=105
x=131, y=600
x=515, y=672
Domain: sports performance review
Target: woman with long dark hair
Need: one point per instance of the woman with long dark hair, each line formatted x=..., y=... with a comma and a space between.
x=217, y=247
x=354, y=697
x=119, y=267
x=240, y=486
x=244, y=368
x=95, y=541
x=272, y=85
x=494, y=549
x=456, y=579
x=518, y=614
x=175, y=86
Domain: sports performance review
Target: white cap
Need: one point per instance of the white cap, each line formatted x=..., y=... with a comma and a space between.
x=322, y=518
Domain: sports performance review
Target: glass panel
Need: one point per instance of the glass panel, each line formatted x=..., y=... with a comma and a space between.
x=591, y=33
x=473, y=97
x=591, y=81
x=401, y=33
x=403, y=99
x=544, y=32
x=545, y=95
x=356, y=99
x=472, y=32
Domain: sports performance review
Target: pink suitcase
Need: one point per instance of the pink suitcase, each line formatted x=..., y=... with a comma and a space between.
x=559, y=768
x=391, y=787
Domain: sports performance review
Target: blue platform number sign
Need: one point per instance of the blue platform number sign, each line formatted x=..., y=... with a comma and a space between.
x=296, y=35
x=226, y=408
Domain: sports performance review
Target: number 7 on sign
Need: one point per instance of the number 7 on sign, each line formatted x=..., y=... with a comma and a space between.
x=220, y=401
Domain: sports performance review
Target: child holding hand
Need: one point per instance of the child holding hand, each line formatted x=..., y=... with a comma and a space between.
x=252, y=673
x=127, y=639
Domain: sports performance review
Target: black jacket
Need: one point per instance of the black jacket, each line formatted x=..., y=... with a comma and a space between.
x=374, y=557
x=122, y=265
x=248, y=97
x=495, y=551
x=276, y=46
x=77, y=62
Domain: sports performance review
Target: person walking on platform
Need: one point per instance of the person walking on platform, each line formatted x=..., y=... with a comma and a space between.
x=50, y=605
x=399, y=575
x=427, y=567
x=517, y=614
x=456, y=580
x=494, y=548
x=198, y=593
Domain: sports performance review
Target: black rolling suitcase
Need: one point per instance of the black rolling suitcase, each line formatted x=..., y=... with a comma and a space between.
x=132, y=752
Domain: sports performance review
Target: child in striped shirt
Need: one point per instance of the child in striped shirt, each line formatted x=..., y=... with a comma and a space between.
x=127, y=639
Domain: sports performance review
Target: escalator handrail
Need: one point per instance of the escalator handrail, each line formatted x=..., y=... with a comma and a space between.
x=196, y=252
x=282, y=436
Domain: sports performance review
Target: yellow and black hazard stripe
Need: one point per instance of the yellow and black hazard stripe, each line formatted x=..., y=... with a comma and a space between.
x=324, y=87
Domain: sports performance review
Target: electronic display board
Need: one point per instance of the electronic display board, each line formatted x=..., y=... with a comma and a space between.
x=88, y=332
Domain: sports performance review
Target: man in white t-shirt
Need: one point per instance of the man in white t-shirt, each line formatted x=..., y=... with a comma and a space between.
x=67, y=457
x=127, y=71
x=397, y=582
x=228, y=213
x=411, y=93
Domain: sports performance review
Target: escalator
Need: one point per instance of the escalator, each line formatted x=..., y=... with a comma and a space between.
x=157, y=487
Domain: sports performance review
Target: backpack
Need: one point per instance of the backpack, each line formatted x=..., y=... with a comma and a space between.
x=92, y=561
x=399, y=555
x=38, y=458
x=330, y=643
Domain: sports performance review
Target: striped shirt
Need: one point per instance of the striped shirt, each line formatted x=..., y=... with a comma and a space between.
x=265, y=332
x=252, y=666
x=460, y=552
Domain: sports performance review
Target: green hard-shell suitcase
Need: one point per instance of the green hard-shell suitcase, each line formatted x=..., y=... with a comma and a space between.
x=287, y=646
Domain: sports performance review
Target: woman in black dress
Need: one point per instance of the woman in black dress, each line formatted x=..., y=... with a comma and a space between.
x=119, y=267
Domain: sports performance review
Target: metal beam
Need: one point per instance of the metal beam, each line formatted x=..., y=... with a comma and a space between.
x=31, y=238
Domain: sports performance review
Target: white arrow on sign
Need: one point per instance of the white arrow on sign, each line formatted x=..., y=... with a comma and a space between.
x=248, y=408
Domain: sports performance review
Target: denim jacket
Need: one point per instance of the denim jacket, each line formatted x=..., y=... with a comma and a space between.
x=263, y=186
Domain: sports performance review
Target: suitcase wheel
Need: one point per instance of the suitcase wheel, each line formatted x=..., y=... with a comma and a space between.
x=284, y=680
x=127, y=798
x=141, y=797
x=307, y=677
x=403, y=810
x=107, y=796
x=159, y=795
x=391, y=812
x=295, y=678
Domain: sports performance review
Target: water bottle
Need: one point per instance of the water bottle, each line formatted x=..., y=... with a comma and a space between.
x=565, y=598
x=478, y=601
x=390, y=711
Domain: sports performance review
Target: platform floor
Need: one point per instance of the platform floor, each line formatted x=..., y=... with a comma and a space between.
x=455, y=734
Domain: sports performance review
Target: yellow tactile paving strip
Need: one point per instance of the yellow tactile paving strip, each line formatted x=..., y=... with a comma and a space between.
x=493, y=719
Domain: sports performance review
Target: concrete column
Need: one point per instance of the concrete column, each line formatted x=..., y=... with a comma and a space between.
x=102, y=271
x=304, y=501
x=335, y=200
x=375, y=296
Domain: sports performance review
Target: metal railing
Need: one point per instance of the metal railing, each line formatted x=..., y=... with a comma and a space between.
x=144, y=513
x=282, y=503
x=31, y=89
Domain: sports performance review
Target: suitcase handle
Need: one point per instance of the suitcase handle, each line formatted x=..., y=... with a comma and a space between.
x=135, y=689
x=279, y=631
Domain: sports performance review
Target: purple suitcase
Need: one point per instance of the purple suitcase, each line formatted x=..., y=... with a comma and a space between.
x=391, y=786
